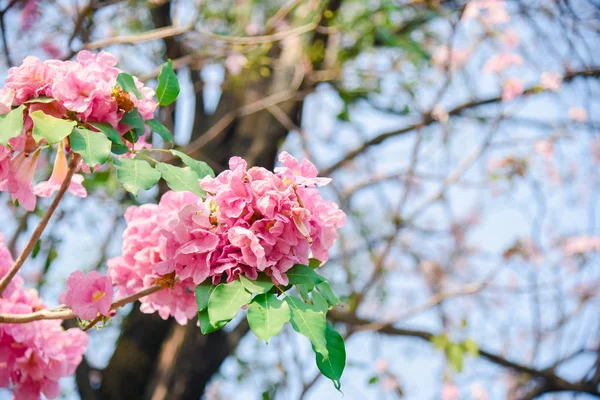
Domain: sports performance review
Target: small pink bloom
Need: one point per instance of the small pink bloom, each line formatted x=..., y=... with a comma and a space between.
x=381, y=366
x=512, y=89
x=581, y=244
x=496, y=13
x=449, y=392
x=88, y=295
x=500, y=62
x=303, y=173
x=510, y=38
x=20, y=180
x=551, y=81
x=444, y=58
x=578, y=114
x=235, y=62
x=544, y=147
x=390, y=384
x=59, y=173
x=30, y=79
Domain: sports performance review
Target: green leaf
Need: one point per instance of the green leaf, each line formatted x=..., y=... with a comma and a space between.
x=261, y=285
x=333, y=366
x=326, y=291
x=168, y=85
x=206, y=326
x=300, y=274
x=180, y=179
x=11, y=124
x=314, y=263
x=304, y=290
x=454, y=353
x=136, y=174
x=134, y=119
x=41, y=99
x=36, y=249
x=309, y=321
x=471, y=347
x=93, y=147
x=226, y=300
x=267, y=315
x=128, y=84
x=319, y=301
x=200, y=167
x=109, y=131
x=159, y=128
x=119, y=148
x=50, y=128
x=440, y=341
x=203, y=292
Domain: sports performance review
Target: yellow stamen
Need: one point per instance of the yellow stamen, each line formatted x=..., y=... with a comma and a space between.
x=98, y=295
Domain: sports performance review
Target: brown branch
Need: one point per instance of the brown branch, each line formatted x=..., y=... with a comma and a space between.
x=37, y=233
x=551, y=381
x=428, y=119
x=155, y=34
x=63, y=312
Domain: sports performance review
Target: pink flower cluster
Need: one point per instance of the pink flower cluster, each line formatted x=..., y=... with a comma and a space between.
x=84, y=90
x=88, y=295
x=252, y=221
x=35, y=355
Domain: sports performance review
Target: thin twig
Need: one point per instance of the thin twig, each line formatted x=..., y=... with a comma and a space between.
x=37, y=233
x=63, y=312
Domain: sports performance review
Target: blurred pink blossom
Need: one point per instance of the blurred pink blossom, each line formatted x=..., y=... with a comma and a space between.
x=510, y=38
x=581, y=244
x=551, y=81
x=512, y=89
x=449, y=392
x=500, y=62
x=444, y=58
x=544, y=148
x=235, y=62
x=381, y=366
x=578, y=114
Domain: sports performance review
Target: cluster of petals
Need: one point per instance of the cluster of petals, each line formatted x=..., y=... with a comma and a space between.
x=88, y=295
x=512, y=89
x=143, y=247
x=581, y=244
x=83, y=90
x=252, y=221
x=35, y=355
x=500, y=62
x=450, y=58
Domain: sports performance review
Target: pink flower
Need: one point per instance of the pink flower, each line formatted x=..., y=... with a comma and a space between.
x=500, y=62
x=544, y=147
x=581, y=244
x=551, y=81
x=303, y=173
x=578, y=114
x=510, y=38
x=491, y=12
x=445, y=58
x=235, y=62
x=20, y=180
x=512, y=89
x=449, y=392
x=59, y=173
x=88, y=295
x=34, y=356
x=30, y=79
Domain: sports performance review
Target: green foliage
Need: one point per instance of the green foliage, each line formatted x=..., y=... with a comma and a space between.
x=455, y=352
x=50, y=128
x=267, y=315
x=262, y=284
x=309, y=321
x=136, y=174
x=136, y=122
x=303, y=274
x=11, y=124
x=200, y=167
x=128, y=84
x=333, y=366
x=325, y=290
x=226, y=300
x=159, y=128
x=109, y=131
x=41, y=99
x=94, y=147
x=180, y=179
x=168, y=85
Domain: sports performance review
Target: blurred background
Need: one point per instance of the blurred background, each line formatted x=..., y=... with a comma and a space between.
x=463, y=142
